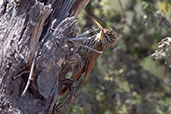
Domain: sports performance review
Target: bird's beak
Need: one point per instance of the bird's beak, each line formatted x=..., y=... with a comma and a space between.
x=101, y=29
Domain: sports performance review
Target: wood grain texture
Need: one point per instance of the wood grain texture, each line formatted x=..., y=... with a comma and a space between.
x=24, y=25
x=78, y=6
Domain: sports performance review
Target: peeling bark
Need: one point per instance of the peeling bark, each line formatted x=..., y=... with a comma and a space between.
x=31, y=29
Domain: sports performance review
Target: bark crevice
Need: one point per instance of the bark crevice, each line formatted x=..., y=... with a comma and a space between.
x=28, y=27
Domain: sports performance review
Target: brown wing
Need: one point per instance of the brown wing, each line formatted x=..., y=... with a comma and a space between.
x=78, y=75
x=79, y=69
x=90, y=64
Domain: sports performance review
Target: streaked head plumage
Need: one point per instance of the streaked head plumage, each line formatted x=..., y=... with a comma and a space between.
x=106, y=36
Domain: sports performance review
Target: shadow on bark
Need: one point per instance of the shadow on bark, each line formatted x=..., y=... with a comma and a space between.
x=35, y=52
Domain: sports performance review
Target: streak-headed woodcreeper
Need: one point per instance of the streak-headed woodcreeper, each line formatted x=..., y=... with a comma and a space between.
x=102, y=40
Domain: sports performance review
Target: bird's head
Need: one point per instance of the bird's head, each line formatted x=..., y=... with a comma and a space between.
x=106, y=37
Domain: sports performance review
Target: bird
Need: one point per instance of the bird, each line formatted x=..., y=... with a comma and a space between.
x=102, y=40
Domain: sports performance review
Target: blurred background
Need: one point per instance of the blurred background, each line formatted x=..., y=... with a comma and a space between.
x=126, y=78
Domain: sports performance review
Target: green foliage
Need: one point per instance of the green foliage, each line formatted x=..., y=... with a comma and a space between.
x=78, y=110
x=126, y=80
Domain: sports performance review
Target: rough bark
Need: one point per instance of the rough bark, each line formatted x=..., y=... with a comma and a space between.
x=33, y=37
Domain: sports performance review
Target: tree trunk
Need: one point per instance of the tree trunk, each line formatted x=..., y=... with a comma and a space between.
x=34, y=48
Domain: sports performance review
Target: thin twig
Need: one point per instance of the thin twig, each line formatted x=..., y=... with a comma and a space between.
x=87, y=32
x=100, y=52
x=34, y=59
x=80, y=38
x=24, y=72
x=123, y=10
x=124, y=16
x=32, y=68
x=30, y=75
